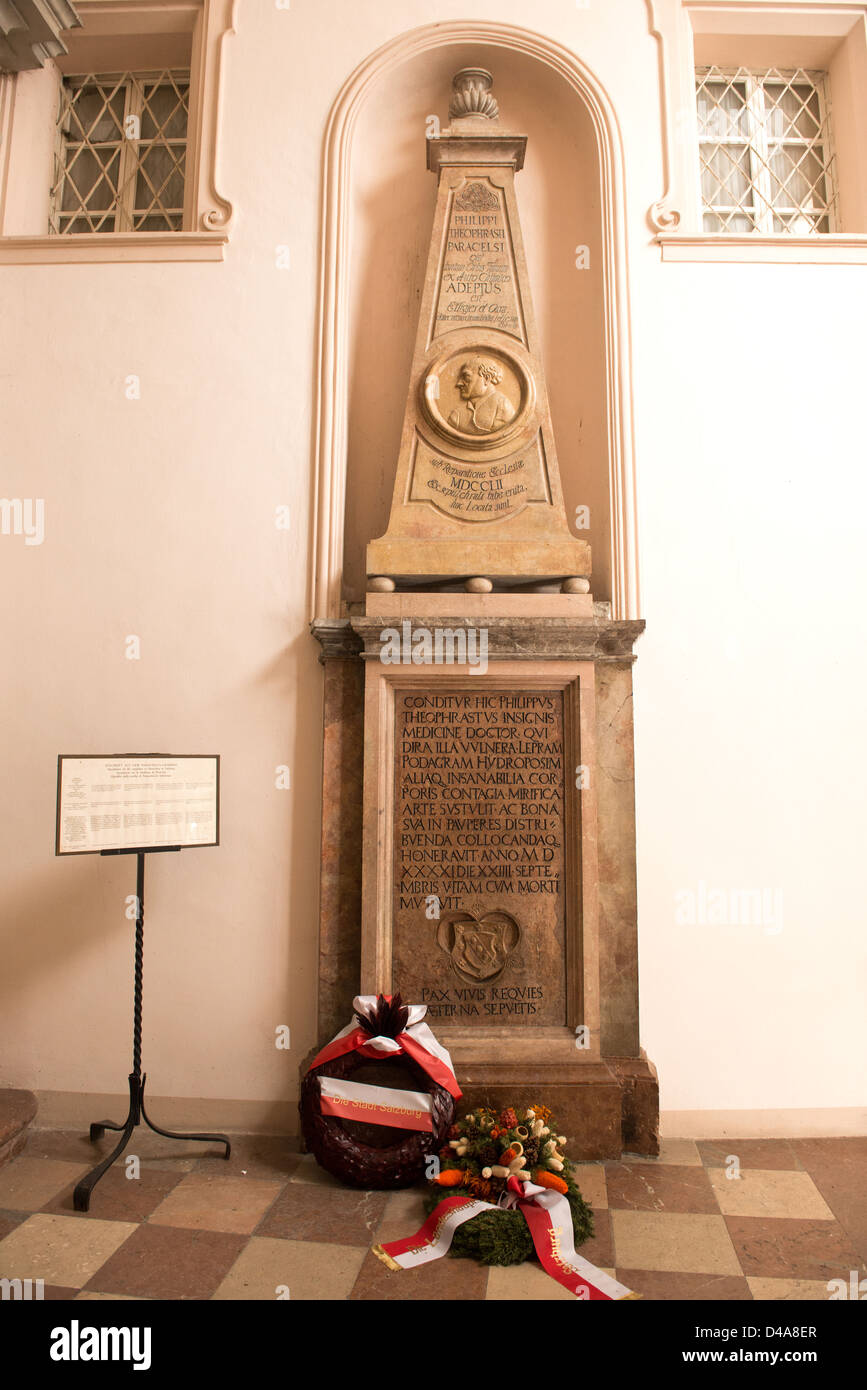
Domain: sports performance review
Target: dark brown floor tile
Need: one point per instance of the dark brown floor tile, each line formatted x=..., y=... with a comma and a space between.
x=844, y=1188
x=72, y=1145
x=119, y=1198
x=780, y=1248
x=169, y=1263
x=253, y=1156
x=154, y=1150
x=660, y=1187
x=262, y=1155
x=305, y=1211
x=448, y=1278
x=834, y=1153
x=9, y=1220
x=655, y=1285
x=600, y=1250
x=751, y=1153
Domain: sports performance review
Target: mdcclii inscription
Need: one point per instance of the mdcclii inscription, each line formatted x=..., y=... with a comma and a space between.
x=479, y=893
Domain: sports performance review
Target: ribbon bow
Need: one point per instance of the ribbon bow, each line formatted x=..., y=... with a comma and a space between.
x=416, y=1041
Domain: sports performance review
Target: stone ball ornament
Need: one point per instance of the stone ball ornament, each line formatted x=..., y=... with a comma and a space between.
x=379, y=1099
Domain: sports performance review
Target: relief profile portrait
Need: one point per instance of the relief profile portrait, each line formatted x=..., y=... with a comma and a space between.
x=483, y=408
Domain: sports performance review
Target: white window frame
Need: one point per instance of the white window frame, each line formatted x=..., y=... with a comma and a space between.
x=763, y=210
x=208, y=211
x=808, y=34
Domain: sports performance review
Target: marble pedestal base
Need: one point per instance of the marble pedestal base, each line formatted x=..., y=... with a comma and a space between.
x=605, y=1096
x=607, y=1108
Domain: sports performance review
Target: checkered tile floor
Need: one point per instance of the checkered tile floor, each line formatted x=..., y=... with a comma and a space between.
x=193, y=1226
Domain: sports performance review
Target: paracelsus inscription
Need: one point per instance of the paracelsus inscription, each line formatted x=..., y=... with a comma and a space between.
x=477, y=444
x=479, y=860
x=479, y=280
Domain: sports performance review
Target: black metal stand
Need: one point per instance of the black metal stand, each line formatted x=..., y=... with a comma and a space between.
x=137, y=1112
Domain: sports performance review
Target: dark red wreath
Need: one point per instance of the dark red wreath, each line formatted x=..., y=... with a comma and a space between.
x=372, y=1155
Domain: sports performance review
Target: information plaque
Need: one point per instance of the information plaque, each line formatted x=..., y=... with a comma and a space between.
x=136, y=801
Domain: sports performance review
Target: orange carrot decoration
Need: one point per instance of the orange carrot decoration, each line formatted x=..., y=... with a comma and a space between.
x=545, y=1179
x=453, y=1177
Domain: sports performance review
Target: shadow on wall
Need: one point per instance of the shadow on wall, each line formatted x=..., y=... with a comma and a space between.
x=393, y=200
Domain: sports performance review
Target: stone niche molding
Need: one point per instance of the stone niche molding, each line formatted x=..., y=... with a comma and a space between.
x=334, y=347
x=607, y=1094
x=30, y=32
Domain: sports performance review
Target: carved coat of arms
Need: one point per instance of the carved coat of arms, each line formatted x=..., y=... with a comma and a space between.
x=478, y=947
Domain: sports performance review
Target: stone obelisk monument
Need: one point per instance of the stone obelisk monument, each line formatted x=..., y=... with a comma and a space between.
x=478, y=824
x=477, y=491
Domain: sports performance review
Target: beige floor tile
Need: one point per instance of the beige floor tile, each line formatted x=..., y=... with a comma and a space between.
x=404, y=1213
x=28, y=1183
x=527, y=1282
x=682, y=1151
x=769, y=1192
x=796, y=1290
x=590, y=1178
x=308, y=1170
x=61, y=1250
x=673, y=1241
x=311, y=1270
x=204, y=1203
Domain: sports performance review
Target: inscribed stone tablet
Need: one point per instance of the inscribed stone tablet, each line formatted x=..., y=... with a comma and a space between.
x=479, y=836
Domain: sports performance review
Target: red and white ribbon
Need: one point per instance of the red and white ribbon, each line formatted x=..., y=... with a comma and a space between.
x=549, y=1218
x=416, y=1041
x=433, y=1239
x=376, y=1105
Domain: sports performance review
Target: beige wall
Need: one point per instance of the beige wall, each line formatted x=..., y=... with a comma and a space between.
x=160, y=523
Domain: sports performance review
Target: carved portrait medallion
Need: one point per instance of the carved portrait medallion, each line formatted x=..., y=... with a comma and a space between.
x=478, y=397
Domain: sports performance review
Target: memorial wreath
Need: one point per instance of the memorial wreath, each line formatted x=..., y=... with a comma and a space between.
x=512, y=1195
x=366, y=1132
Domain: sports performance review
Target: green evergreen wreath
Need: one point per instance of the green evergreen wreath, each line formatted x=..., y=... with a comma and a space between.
x=477, y=1146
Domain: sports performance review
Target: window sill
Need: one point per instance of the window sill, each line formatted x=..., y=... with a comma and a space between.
x=831, y=248
x=122, y=247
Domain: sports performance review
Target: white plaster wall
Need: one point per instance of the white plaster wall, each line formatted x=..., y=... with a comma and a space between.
x=159, y=522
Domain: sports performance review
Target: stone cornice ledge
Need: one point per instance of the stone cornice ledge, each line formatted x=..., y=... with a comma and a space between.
x=509, y=639
x=30, y=32
x=88, y=248
x=831, y=248
x=336, y=638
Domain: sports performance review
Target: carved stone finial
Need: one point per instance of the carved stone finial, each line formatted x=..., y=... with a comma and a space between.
x=472, y=95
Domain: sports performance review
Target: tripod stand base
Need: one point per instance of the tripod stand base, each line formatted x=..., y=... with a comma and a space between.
x=137, y=1113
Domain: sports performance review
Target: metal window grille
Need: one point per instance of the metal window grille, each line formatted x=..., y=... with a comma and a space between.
x=121, y=153
x=766, y=161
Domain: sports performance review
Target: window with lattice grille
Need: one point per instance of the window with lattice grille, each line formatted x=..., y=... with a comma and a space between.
x=765, y=157
x=121, y=153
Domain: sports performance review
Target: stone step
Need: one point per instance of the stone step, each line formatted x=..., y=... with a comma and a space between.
x=17, y=1111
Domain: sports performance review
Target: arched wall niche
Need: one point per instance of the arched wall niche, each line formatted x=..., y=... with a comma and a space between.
x=378, y=203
